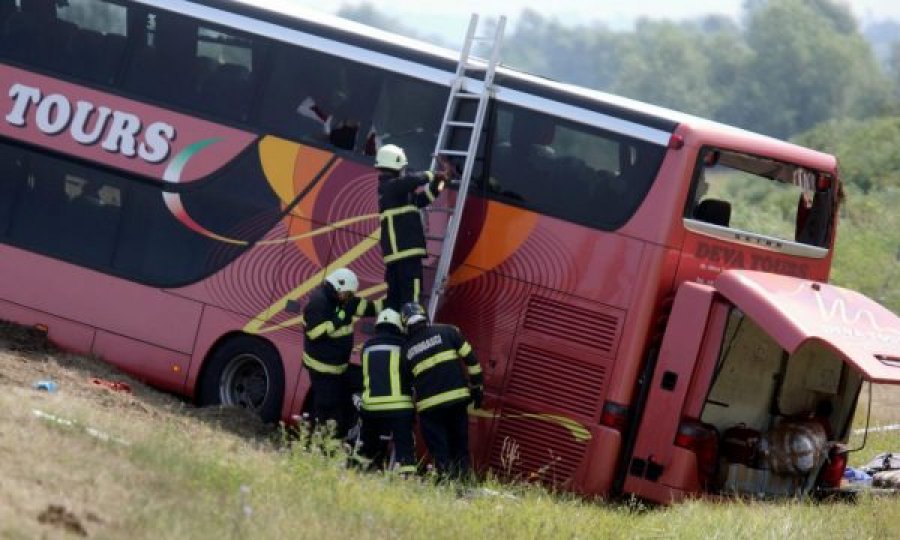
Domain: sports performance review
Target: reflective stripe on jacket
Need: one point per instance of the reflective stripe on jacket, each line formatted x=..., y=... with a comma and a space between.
x=387, y=382
x=402, y=235
x=328, y=336
x=434, y=354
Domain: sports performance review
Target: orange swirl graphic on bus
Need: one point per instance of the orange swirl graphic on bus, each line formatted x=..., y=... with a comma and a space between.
x=287, y=183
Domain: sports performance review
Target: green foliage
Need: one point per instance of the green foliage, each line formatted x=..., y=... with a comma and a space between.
x=807, y=66
x=868, y=151
x=791, y=65
x=583, y=55
x=867, y=254
x=660, y=47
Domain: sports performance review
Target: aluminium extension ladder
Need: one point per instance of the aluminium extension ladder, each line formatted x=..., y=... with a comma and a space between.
x=442, y=222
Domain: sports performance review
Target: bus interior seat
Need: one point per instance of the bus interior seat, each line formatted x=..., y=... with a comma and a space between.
x=715, y=211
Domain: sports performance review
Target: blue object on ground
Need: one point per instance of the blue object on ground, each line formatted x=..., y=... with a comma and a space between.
x=857, y=476
x=46, y=386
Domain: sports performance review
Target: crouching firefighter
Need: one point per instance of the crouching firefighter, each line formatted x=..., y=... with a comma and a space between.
x=328, y=342
x=387, y=404
x=443, y=388
x=402, y=235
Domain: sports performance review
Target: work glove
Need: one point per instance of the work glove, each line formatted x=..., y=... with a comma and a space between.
x=477, y=396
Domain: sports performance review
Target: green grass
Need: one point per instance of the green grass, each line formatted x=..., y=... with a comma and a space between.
x=243, y=490
x=185, y=474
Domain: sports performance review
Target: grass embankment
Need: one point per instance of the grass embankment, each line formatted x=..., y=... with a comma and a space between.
x=143, y=465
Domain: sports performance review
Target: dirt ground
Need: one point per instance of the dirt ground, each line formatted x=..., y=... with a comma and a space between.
x=62, y=475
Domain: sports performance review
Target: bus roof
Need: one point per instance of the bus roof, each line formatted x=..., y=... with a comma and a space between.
x=660, y=121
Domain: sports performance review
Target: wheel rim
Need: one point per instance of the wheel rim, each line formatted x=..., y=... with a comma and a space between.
x=244, y=382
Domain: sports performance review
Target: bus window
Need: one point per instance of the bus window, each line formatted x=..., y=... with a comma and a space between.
x=762, y=196
x=319, y=98
x=408, y=114
x=34, y=35
x=68, y=211
x=97, y=45
x=124, y=227
x=12, y=178
x=227, y=88
x=567, y=170
x=165, y=66
x=157, y=248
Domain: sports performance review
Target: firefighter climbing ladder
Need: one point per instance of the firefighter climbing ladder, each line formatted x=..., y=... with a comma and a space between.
x=444, y=229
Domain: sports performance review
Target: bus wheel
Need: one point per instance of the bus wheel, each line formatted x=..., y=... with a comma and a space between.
x=245, y=372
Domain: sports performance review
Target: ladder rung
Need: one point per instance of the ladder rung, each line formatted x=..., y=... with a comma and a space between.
x=466, y=95
x=455, y=123
x=447, y=209
x=446, y=152
x=433, y=237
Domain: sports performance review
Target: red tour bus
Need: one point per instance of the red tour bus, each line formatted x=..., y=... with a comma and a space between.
x=646, y=289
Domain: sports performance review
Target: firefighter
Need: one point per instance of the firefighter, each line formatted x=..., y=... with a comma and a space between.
x=328, y=341
x=443, y=388
x=387, y=404
x=402, y=235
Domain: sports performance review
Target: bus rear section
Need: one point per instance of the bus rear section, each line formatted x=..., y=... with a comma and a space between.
x=755, y=387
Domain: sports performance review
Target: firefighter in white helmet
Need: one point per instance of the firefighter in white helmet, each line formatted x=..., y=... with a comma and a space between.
x=328, y=341
x=402, y=235
x=387, y=403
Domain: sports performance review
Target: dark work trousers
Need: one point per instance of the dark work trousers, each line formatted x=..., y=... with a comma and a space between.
x=404, y=282
x=446, y=434
x=331, y=400
x=376, y=428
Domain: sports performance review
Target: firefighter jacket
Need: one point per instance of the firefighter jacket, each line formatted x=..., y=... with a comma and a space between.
x=402, y=235
x=328, y=339
x=434, y=353
x=387, y=380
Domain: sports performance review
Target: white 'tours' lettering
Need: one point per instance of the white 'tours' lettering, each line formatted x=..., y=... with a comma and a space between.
x=54, y=113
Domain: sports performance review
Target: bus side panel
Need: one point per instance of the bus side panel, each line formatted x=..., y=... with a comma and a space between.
x=63, y=333
x=653, y=455
x=655, y=274
x=597, y=473
x=555, y=386
x=682, y=471
x=89, y=297
x=158, y=366
x=487, y=309
x=659, y=217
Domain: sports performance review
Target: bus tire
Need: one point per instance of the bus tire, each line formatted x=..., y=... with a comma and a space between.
x=245, y=372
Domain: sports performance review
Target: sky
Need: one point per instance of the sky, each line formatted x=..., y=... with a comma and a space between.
x=448, y=18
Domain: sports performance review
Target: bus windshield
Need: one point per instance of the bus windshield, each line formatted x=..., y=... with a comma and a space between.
x=782, y=201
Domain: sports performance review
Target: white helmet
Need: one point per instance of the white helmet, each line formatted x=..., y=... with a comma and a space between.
x=343, y=280
x=390, y=156
x=389, y=316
